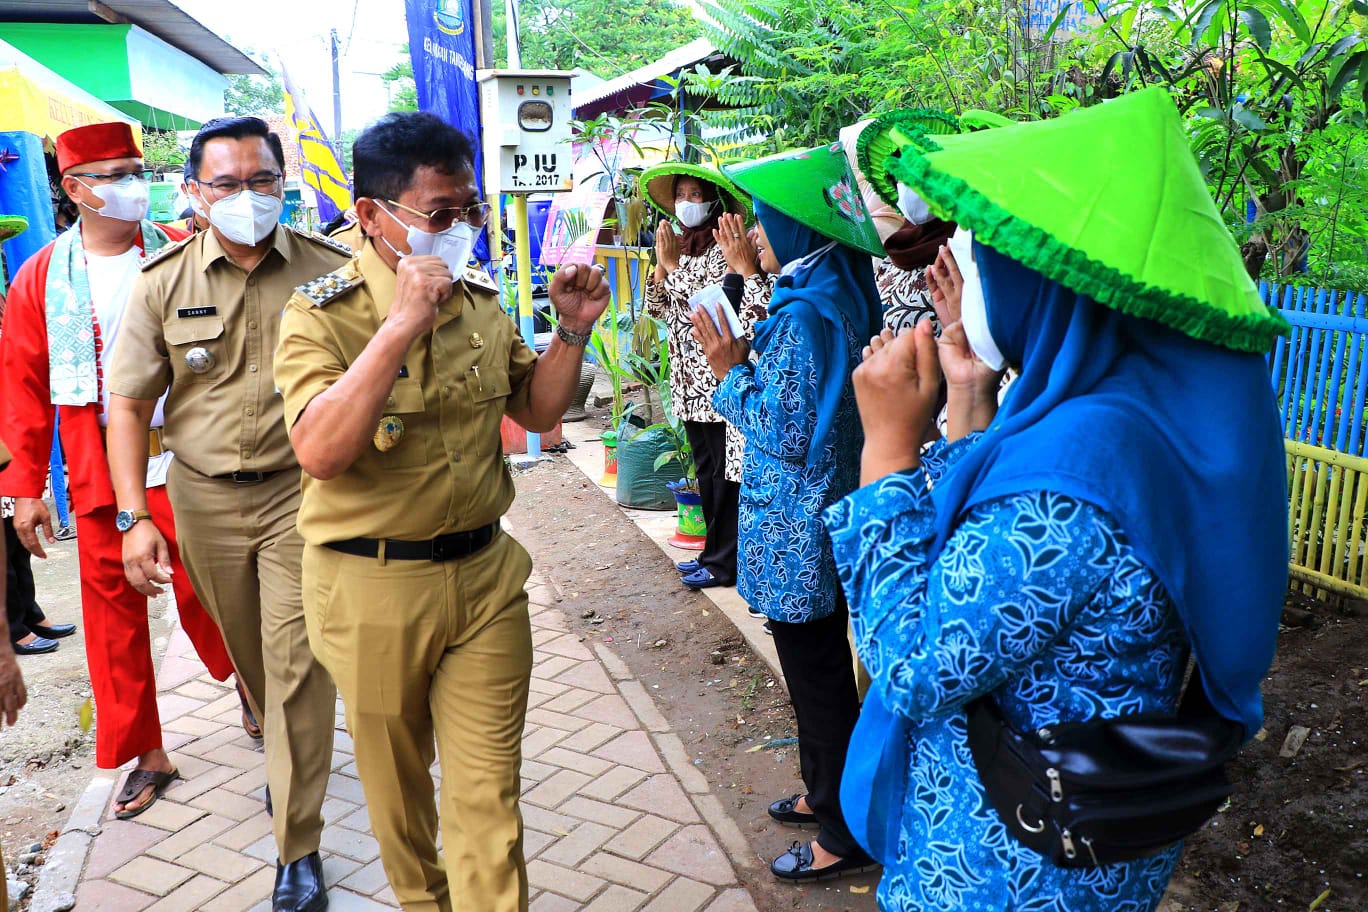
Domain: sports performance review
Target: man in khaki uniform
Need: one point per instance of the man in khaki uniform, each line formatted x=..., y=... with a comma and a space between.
x=396, y=380
x=204, y=319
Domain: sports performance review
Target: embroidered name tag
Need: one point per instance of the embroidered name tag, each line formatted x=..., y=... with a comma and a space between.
x=208, y=310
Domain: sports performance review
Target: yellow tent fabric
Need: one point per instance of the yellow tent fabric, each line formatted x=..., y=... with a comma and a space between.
x=33, y=99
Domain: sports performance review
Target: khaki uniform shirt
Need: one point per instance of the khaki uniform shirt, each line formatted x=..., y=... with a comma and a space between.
x=195, y=298
x=446, y=473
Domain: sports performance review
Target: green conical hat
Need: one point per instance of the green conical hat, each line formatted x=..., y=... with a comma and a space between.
x=1107, y=201
x=659, y=184
x=888, y=133
x=815, y=187
x=12, y=226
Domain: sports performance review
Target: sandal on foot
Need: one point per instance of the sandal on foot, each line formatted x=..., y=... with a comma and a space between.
x=249, y=720
x=134, y=785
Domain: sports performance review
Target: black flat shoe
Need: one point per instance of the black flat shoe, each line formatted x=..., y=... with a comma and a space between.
x=37, y=647
x=795, y=865
x=299, y=886
x=54, y=631
x=783, y=811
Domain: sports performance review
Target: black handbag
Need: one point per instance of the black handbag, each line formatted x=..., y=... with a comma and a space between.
x=1086, y=794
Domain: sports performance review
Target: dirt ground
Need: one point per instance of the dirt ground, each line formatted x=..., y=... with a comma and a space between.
x=1296, y=831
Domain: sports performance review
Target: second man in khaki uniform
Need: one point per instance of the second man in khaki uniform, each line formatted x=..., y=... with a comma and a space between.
x=397, y=371
x=204, y=319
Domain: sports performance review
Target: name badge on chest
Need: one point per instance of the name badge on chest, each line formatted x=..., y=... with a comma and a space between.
x=206, y=310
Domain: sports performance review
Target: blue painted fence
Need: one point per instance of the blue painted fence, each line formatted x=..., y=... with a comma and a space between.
x=1320, y=374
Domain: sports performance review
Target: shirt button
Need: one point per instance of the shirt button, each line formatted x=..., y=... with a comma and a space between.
x=455, y=457
x=390, y=402
x=446, y=391
x=252, y=368
x=251, y=324
x=251, y=412
x=246, y=454
x=251, y=281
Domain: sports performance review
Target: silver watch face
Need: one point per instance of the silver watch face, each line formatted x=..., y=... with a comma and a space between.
x=123, y=520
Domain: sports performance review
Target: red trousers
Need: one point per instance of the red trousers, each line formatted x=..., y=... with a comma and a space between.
x=118, y=644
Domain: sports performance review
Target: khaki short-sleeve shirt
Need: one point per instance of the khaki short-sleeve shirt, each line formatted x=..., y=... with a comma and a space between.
x=446, y=472
x=198, y=323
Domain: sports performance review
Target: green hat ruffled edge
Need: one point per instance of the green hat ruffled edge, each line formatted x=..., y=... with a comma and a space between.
x=799, y=181
x=662, y=196
x=1015, y=237
x=886, y=134
x=12, y=226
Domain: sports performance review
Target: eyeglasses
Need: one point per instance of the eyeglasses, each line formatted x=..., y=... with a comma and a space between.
x=117, y=177
x=267, y=183
x=442, y=219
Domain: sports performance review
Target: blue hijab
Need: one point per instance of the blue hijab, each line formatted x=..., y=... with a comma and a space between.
x=834, y=286
x=1177, y=439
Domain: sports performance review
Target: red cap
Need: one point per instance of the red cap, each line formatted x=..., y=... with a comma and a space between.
x=95, y=142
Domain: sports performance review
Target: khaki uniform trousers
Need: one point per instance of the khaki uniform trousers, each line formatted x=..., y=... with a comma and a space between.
x=421, y=648
x=240, y=545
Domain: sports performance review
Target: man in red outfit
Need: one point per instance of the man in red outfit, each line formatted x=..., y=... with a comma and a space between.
x=64, y=310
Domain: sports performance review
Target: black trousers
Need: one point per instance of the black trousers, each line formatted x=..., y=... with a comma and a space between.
x=721, y=498
x=21, y=606
x=820, y=673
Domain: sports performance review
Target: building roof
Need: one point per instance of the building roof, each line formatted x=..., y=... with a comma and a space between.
x=643, y=84
x=162, y=18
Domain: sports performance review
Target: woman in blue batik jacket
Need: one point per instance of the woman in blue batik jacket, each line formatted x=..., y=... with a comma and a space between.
x=796, y=408
x=1065, y=554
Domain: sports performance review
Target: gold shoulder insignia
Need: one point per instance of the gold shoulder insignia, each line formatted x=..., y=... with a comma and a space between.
x=329, y=287
x=326, y=241
x=480, y=279
x=165, y=252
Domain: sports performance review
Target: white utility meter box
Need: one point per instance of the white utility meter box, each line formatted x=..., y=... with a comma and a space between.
x=526, y=120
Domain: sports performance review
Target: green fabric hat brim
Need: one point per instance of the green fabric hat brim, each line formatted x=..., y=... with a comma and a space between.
x=659, y=184
x=815, y=187
x=12, y=226
x=888, y=133
x=976, y=119
x=1145, y=239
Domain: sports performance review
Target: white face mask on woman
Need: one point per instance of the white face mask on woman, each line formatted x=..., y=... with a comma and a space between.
x=915, y=209
x=453, y=244
x=693, y=214
x=126, y=199
x=246, y=217
x=973, y=304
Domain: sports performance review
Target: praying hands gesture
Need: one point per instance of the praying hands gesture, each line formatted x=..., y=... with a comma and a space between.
x=736, y=245
x=897, y=389
x=667, y=250
x=946, y=285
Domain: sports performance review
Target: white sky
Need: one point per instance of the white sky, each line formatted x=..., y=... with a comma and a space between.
x=296, y=32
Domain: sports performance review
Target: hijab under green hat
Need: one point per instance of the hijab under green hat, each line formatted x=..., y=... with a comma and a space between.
x=816, y=188
x=1107, y=201
x=659, y=183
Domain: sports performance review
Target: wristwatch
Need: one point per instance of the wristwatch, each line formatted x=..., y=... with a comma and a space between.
x=575, y=339
x=124, y=519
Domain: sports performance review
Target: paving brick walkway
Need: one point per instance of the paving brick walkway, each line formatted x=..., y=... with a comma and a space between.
x=617, y=817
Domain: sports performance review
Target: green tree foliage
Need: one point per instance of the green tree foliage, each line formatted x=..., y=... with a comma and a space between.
x=1273, y=91
x=161, y=150
x=399, y=84
x=261, y=96
x=606, y=37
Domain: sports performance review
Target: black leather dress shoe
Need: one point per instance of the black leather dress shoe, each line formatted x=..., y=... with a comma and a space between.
x=795, y=865
x=53, y=631
x=785, y=811
x=37, y=647
x=299, y=886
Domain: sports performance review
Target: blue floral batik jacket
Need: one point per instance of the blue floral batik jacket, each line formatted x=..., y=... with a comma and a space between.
x=1037, y=598
x=784, y=564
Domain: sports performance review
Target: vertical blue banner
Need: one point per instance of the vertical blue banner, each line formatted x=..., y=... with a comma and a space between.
x=442, y=46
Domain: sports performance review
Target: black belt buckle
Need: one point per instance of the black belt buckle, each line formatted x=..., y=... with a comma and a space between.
x=248, y=477
x=442, y=550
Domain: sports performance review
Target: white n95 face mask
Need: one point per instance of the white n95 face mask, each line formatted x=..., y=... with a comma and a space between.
x=694, y=214
x=246, y=217
x=973, y=304
x=453, y=245
x=126, y=200
x=915, y=209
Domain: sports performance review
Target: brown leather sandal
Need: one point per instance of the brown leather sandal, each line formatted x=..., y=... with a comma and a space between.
x=249, y=720
x=134, y=785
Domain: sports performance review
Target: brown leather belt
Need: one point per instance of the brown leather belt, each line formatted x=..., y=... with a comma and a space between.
x=155, y=447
